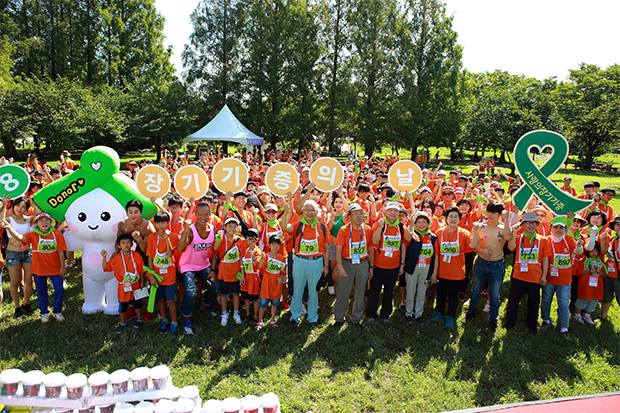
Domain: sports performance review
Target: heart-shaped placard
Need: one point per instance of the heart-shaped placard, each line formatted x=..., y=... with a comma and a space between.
x=95, y=165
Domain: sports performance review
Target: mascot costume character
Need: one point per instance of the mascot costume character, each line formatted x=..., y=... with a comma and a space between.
x=92, y=201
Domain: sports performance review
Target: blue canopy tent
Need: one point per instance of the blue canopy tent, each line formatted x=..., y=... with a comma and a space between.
x=225, y=127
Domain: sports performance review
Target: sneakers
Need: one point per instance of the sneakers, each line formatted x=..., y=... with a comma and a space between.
x=533, y=331
x=470, y=316
x=419, y=320
x=385, y=320
x=493, y=325
x=449, y=321
x=138, y=324
x=19, y=313
x=188, y=327
x=45, y=318
x=437, y=317
x=293, y=325
x=174, y=329
x=120, y=328
x=286, y=306
x=545, y=326
x=237, y=317
x=588, y=319
x=224, y=319
x=565, y=335
x=409, y=319
x=578, y=318
x=331, y=290
x=26, y=309
x=148, y=316
x=58, y=316
x=303, y=309
x=487, y=307
x=163, y=327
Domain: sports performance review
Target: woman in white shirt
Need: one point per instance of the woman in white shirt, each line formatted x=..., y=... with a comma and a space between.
x=18, y=255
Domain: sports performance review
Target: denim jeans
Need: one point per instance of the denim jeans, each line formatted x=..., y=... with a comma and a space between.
x=563, y=296
x=493, y=272
x=189, y=282
x=59, y=292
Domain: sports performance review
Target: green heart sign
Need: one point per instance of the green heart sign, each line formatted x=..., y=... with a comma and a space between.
x=537, y=179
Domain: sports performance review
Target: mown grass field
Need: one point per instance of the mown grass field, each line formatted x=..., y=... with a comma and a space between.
x=395, y=367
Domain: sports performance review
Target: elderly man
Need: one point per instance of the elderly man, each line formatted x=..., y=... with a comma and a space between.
x=353, y=258
x=530, y=270
x=310, y=242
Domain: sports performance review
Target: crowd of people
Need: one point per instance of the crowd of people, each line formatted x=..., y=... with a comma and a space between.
x=447, y=243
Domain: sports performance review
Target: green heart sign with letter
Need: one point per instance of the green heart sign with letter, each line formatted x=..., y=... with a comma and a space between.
x=537, y=179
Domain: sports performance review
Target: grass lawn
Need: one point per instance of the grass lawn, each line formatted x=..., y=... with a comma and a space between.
x=378, y=368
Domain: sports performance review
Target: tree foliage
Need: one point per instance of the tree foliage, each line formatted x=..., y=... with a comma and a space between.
x=589, y=104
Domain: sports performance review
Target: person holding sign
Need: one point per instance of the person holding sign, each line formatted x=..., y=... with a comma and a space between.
x=559, y=278
x=389, y=263
x=420, y=261
x=450, y=247
x=530, y=270
x=48, y=262
x=196, y=245
x=489, y=239
x=353, y=259
x=18, y=256
x=310, y=242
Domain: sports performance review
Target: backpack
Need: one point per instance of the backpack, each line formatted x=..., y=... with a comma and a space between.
x=299, y=230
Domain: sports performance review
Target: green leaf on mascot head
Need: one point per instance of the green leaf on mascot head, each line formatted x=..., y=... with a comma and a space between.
x=99, y=169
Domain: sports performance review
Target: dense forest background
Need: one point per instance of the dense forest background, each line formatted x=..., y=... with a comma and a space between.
x=379, y=73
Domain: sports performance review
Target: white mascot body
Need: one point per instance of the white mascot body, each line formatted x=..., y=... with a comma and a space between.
x=92, y=202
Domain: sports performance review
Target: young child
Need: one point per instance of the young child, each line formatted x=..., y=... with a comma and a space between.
x=250, y=280
x=590, y=285
x=48, y=261
x=273, y=268
x=160, y=250
x=228, y=247
x=127, y=267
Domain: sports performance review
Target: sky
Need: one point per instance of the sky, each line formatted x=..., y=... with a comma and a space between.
x=535, y=38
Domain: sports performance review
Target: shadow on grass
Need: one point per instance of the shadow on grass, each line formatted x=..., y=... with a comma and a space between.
x=500, y=364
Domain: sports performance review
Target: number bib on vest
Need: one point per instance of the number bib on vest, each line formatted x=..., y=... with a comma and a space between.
x=562, y=261
x=425, y=255
x=391, y=243
x=275, y=266
x=309, y=246
x=47, y=245
x=247, y=265
x=232, y=255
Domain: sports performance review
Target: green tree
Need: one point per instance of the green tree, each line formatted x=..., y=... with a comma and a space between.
x=161, y=116
x=589, y=104
x=431, y=60
x=374, y=68
x=212, y=59
x=337, y=96
x=503, y=108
